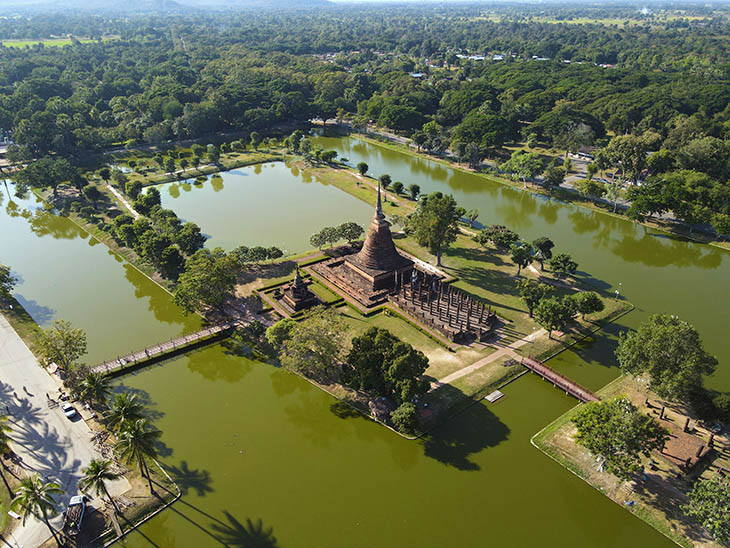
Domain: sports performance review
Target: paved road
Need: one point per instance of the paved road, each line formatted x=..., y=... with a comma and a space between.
x=44, y=438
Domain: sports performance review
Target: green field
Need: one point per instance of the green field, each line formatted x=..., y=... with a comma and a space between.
x=54, y=42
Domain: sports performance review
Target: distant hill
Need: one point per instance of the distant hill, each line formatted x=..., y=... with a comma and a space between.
x=159, y=5
x=245, y=4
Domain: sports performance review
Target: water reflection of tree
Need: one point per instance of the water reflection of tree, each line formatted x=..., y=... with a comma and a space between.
x=160, y=302
x=659, y=250
x=518, y=212
x=215, y=363
x=45, y=223
x=549, y=212
x=216, y=183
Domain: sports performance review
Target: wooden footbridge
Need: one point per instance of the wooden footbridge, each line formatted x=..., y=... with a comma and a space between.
x=165, y=349
x=560, y=380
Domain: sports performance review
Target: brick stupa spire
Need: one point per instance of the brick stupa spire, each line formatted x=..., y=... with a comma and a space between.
x=378, y=259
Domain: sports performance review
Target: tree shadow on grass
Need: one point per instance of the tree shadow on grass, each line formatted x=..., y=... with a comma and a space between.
x=470, y=432
x=600, y=285
x=477, y=255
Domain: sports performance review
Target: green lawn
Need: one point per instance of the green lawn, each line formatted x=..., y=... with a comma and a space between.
x=22, y=323
x=148, y=172
x=52, y=42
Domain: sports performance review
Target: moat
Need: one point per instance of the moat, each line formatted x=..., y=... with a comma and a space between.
x=256, y=442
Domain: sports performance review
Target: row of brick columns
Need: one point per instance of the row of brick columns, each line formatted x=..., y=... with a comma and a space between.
x=423, y=297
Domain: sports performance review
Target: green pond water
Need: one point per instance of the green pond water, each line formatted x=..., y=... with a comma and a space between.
x=249, y=442
x=266, y=204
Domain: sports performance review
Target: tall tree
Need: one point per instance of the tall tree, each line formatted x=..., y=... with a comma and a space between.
x=521, y=254
x=531, y=292
x=35, y=498
x=414, y=190
x=524, y=165
x=62, y=343
x=670, y=351
x=208, y=281
x=7, y=281
x=472, y=215
x=124, y=408
x=543, y=250
x=317, y=344
x=554, y=314
x=94, y=388
x=92, y=194
x=136, y=444
x=587, y=302
x=435, y=223
x=382, y=365
x=350, y=231
x=563, y=265
x=95, y=476
x=619, y=433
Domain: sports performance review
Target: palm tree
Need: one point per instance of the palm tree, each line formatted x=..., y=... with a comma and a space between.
x=123, y=408
x=96, y=474
x=35, y=498
x=5, y=440
x=136, y=443
x=95, y=388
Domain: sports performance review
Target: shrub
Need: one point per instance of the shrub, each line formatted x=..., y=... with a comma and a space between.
x=405, y=418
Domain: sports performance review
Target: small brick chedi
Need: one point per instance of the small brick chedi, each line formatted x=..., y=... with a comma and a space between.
x=298, y=296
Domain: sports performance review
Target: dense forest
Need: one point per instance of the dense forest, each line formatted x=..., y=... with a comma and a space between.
x=650, y=88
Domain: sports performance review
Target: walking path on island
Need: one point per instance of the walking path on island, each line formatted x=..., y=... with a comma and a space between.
x=123, y=200
x=508, y=350
x=46, y=441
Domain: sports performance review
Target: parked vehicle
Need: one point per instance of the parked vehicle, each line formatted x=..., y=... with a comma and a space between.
x=73, y=516
x=68, y=410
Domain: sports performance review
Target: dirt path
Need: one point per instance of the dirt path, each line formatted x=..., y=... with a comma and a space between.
x=123, y=200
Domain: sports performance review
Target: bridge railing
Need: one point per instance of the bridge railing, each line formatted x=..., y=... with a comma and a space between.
x=160, y=349
x=560, y=380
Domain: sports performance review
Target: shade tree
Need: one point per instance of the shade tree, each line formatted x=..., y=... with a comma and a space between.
x=670, y=351
x=619, y=434
x=434, y=224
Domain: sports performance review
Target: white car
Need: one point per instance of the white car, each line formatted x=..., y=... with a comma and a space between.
x=68, y=410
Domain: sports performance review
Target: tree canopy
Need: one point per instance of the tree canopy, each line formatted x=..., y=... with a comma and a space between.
x=434, y=224
x=619, y=433
x=670, y=351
